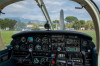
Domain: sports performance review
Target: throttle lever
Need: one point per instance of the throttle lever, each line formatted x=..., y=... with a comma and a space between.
x=30, y=50
x=30, y=54
x=27, y=56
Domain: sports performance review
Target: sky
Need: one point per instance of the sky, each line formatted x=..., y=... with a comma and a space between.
x=28, y=9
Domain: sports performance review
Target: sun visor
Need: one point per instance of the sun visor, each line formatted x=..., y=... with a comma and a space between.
x=4, y=3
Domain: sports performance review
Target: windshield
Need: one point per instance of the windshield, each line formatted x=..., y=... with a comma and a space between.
x=27, y=16
x=97, y=2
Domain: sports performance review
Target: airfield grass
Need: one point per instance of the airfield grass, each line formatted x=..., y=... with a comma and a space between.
x=6, y=35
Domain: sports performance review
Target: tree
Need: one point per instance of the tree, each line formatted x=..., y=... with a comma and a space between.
x=7, y=23
x=82, y=22
x=88, y=25
x=71, y=19
x=11, y=24
x=76, y=25
x=1, y=21
x=19, y=26
x=56, y=21
x=35, y=26
x=92, y=25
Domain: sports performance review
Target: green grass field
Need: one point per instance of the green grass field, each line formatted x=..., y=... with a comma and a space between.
x=8, y=34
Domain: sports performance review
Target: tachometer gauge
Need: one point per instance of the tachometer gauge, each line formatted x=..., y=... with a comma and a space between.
x=23, y=39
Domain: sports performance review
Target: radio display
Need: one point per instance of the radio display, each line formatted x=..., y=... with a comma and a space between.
x=71, y=49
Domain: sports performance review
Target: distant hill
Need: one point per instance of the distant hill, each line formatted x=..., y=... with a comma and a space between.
x=26, y=20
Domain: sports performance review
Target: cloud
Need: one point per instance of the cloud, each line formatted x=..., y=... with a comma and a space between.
x=32, y=17
x=28, y=9
x=17, y=6
x=97, y=3
x=52, y=2
x=19, y=9
x=53, y=11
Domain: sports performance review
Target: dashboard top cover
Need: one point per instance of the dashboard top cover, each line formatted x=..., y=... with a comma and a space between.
x=84, y=35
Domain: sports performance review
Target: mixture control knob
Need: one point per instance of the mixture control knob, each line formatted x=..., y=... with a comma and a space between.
x=53, y=62
x=38, y=47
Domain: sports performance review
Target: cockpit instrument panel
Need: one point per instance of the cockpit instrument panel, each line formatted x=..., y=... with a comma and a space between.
x=52, y=48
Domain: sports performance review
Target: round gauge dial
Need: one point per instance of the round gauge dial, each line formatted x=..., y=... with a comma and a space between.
x=31, y=46
x=42, y=60
x=38, y=39
x=23, y=39
x=22, y=47
x=17, y=40
x=45, y=40
x=36, y=61
x=69, y=41
x=37, y=47
x=84, y=43
x=45, y=47
x=16, y=47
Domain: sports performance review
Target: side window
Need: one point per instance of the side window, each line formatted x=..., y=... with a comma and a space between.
x=20, y=16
